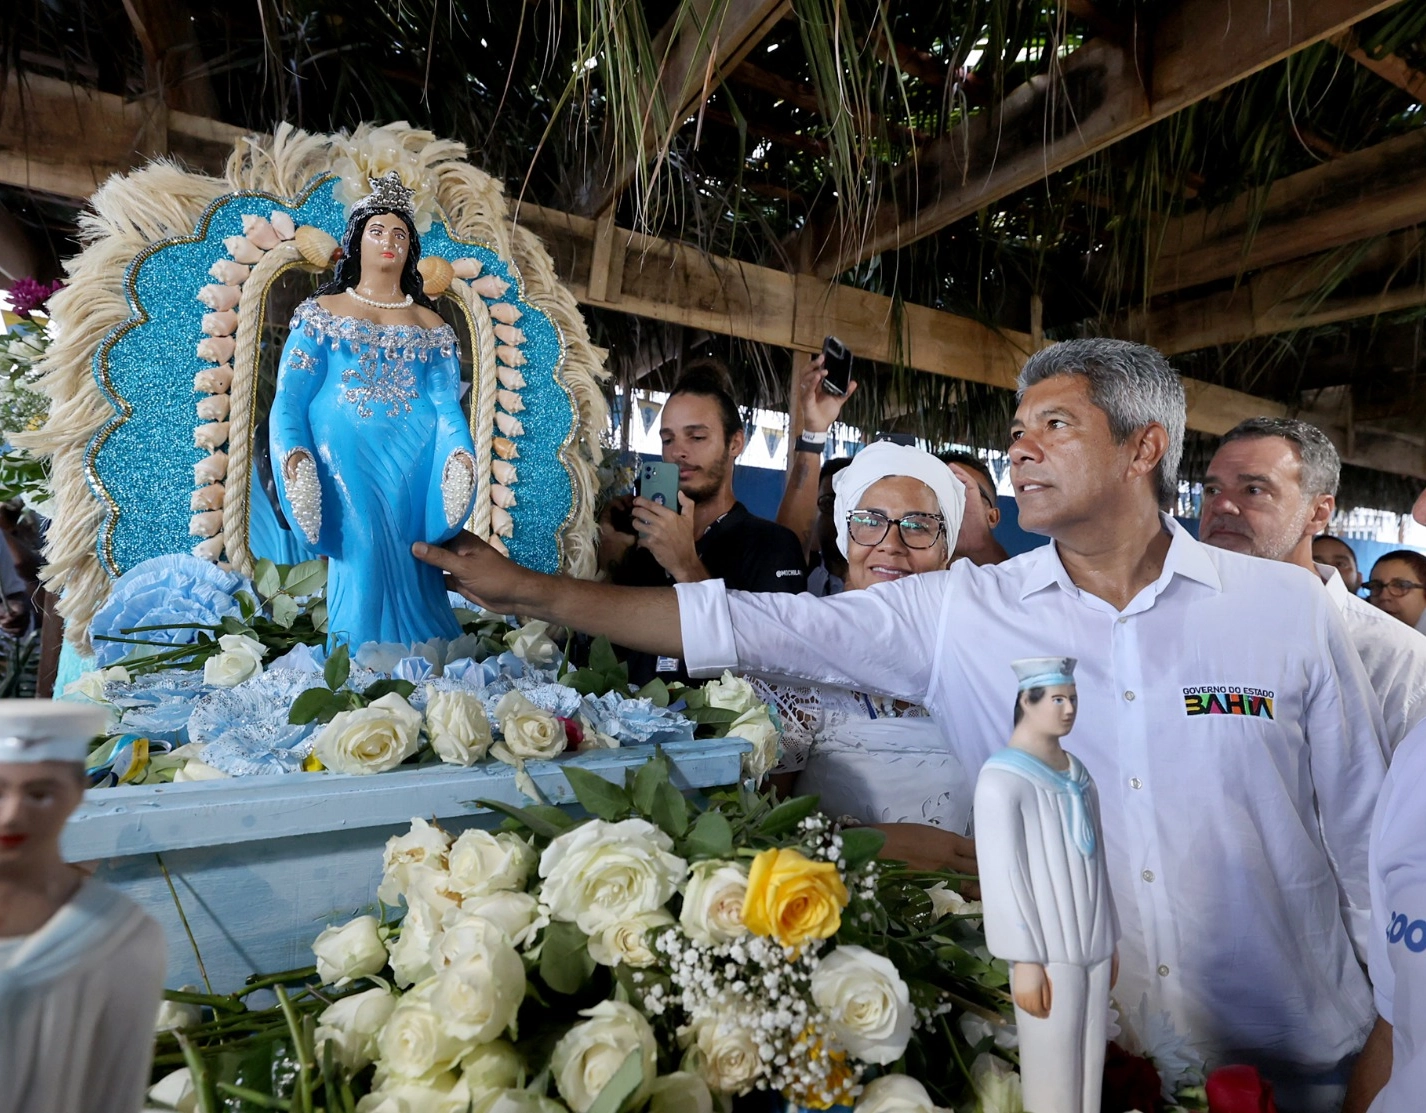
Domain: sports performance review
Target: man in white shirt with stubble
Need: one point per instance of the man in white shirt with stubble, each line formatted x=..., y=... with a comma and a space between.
x=1270, y=489
x=1223, y=712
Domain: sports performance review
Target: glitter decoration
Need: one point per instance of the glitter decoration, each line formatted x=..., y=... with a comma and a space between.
x=457, y=486
x=140, y=464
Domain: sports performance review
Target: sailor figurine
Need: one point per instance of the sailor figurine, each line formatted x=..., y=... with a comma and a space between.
x=1048, y=909
x=81, y=966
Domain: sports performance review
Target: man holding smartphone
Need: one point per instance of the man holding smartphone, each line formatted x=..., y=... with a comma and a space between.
x=709, y=534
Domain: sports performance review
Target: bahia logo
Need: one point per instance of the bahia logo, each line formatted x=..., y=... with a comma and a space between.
x=1410, y=932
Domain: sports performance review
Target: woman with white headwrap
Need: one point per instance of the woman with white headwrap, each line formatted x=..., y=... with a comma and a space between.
x=81, y=965
x=898, y=510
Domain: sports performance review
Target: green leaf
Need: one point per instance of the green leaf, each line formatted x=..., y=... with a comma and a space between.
x=647, y=779
x=309, y=706
x=565, y=964
x=284, y=610
x=247, y=605
x=601, y=656
x=231, y=624
x=670, y=810
x=266, y=578
x=537, y=818
x=306, y=578
x=339, y=667
x=318, y=615
x=655, y=690
x=598, y=796
x=619, y=1089
x=716, y=716
x=710, y=837
x=402, y=688
x=860, y=845
x=786, y=816
x=586, y=682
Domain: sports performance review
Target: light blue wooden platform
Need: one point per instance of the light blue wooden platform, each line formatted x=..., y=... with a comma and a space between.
x=261, y=864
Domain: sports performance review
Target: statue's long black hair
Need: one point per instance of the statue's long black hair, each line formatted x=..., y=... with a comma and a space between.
x=349, y=266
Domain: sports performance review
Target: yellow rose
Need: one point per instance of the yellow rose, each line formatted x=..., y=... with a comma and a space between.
x=792, y=898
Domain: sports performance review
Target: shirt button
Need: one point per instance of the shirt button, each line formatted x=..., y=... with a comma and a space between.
x=1163, y=971
x=1122, y=620
x=1129, y=696
x=1134, y=782
x=1147, y=875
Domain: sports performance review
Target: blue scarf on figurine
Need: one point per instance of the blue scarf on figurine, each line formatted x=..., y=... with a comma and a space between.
x=1073, y=782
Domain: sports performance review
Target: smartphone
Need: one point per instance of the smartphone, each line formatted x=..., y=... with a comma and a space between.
x=658, y=482
x=837, y=359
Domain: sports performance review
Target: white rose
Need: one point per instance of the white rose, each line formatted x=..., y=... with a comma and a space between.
x=479, y=981
x=174, y=1016
x=442, y=1094
x=601, y=873
x=423, y=848
x=713, y=902
x=529, y=731
x=353, y=950
x=516, y=1101
x=516, y=914
x=997, y=1084
x=482, y=863
x=732, y=693
x=866, y=1002
x=896, y=1093
x=725, y=1054
x=457, y=726
x=176, y=1091
x=195, y=770
x=533, y=645
x=756, y=726
x=591, y=1053
x=91, y=684
x=240, y=659
x=415, y=1042
x=351, y=1024
x=627, y=941
x=948, y=902
x=371, y=739
x=680, y=1092
x=492, y=1066
x=411, y=950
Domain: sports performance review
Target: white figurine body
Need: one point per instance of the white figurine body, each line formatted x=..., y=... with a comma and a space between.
x=1048, y=908
x=81, y=966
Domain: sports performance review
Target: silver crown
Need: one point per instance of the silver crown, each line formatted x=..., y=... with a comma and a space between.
x=388, y=195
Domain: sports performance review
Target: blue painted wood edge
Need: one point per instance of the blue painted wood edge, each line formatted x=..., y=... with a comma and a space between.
x=141, y=819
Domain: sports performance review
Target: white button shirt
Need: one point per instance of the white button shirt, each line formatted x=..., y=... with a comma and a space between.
x=1227, y=721
x=1393, y=654
x=1398, y=940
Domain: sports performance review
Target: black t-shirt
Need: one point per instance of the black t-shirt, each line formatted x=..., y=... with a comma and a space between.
x=745, y=552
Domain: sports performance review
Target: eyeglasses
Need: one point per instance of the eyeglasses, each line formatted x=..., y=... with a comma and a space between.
x=1394, y=589
x=918, y=531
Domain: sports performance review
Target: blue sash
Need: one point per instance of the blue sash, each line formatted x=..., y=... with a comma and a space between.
x=1079, y=827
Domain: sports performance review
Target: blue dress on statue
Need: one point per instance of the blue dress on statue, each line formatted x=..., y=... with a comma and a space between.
x=378, y=408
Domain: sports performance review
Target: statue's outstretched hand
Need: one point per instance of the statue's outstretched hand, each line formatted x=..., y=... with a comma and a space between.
x=1030, y=985
x=478, y=572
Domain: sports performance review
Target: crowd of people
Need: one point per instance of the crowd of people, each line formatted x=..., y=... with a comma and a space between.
x=1242, y=709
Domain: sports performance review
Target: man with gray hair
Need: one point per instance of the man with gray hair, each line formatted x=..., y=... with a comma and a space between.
x=1223, y=711
x=1271, y=487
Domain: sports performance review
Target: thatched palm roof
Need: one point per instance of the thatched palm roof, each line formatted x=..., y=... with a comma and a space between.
x=1238, y=183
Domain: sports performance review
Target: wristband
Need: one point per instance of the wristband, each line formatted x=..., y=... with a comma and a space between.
x=811, y=442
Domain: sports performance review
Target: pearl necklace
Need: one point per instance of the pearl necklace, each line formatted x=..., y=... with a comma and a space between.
x=405, y=304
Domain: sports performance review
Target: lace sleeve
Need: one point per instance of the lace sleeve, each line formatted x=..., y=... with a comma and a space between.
x=800, y=712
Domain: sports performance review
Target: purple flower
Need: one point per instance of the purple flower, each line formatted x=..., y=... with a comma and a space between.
x=27, y=295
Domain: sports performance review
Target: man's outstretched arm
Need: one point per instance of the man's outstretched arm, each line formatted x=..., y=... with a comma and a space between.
x=643, y=618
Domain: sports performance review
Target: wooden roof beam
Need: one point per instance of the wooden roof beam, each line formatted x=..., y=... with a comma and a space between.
x=1096, y=97
x=1278, y=299
x=703, y=40
x=1363, y=194
x=1391, y=67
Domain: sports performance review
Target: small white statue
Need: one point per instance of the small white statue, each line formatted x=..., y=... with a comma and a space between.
x=81, y=966
x=1048, y=909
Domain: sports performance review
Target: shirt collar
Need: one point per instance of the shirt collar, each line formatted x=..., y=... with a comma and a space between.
x=1332, y=578
x=1186, y=557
